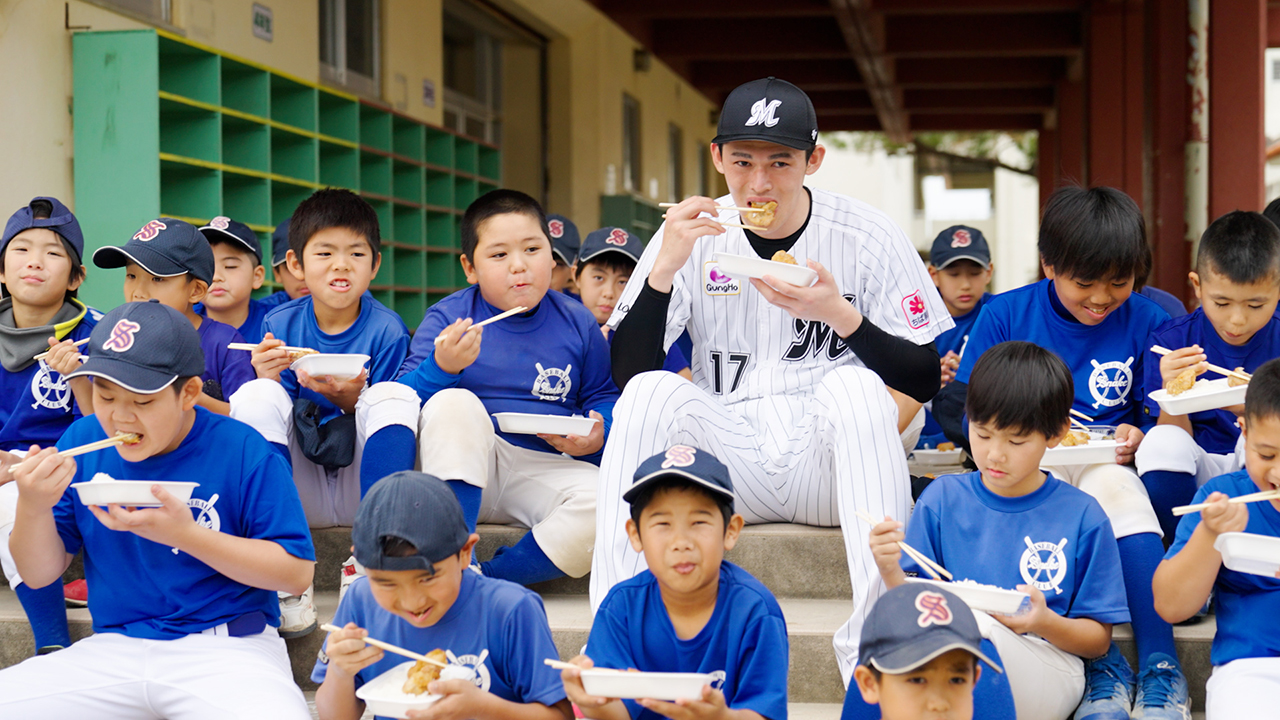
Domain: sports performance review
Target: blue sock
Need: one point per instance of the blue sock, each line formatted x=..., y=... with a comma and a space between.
x=1167, y=490
x=283, y=451
x=47, y=614
x=387, y=451
x=1139, y=556
x=469, y=498
x=992, y=698
x=522, y=563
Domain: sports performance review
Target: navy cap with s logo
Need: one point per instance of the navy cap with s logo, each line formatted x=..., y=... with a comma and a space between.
x=915, y=623
x=143, y=347
x=685, y=462
x=224, y=228
x=770, y=110
x=607, y=240
x=164, y=247
x=565, y=239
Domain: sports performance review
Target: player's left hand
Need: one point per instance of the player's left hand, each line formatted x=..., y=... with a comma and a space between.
x=710, y=706
x=167, y=524
x=579, y=445
x=462, y=701
x=1029, y=622
x=1129, y=437
x=7, y=460
x=64, y=357
x=949, y=364
x=822, y=302
x=343, y=393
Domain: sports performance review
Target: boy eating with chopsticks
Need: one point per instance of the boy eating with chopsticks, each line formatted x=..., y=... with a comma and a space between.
x=414, y=543
x=546, y=356
x=1246, y=646
x=183, y=603
x=1013, y=525
x=1237, y=279
x=691, y=611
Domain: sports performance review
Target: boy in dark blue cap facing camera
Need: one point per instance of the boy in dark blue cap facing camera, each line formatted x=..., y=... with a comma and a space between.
x=170, y=261
x=237, y=272
x=183, y=603
x=691, y=611
x=919, y=655
x=412, y=539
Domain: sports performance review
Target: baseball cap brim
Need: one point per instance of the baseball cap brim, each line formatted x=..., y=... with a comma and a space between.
x=131, y=377
x=795, y=143
x=584, y=259
x=560, y=254
x=973, y=258
x=652, y=477
x=908, y=657
x=257, y=252
x=144, y=257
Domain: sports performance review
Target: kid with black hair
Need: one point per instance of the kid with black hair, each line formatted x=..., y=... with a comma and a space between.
x=1092, y=246
x=1237, y=279
x=1246, y=646
x=237, y=272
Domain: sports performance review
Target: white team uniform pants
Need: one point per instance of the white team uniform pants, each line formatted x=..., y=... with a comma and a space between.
x=1170, y=448
x=329, y=498
x=197, y=677
x=552, y=494
x=1118, y=490
x=8, y=510
x=839, y=452
x=1046, y=683
x=1245, y=688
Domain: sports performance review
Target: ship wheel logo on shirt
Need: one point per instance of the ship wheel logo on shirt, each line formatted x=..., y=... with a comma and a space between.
x=475, y=663
x=206, y=514
x=1110, y=382
x=48, y=392
x=552, y=383
x=1045, y=572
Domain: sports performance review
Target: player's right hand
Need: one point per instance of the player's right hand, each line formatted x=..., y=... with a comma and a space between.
x=884, y=540
x=42, y=477
x=270, y=359
x=64, y=357
x=684, y=225
x=459, y=346
x=1172, y=365
x=348, y=652
x=1222, y=516
x=572, y=679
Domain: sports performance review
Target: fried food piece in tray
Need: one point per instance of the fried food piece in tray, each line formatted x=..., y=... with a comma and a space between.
x=294, y=355
x=423, y=674
x=1075, y=438
x=1233, y=381
x=763, y=214
x=782, y=256
x=1184, y=382
x=946, y=446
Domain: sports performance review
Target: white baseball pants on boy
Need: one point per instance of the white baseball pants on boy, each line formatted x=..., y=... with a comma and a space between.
x=8, y=511
x=1244, y=688
x=552, y=494
x=1170, y=448
x=329, y=498
x=1047, y=683
x=1118, y=490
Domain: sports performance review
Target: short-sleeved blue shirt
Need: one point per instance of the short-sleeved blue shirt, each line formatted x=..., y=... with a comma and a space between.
x=229, y=368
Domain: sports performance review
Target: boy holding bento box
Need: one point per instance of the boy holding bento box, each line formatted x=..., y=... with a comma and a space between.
x=1246, y=648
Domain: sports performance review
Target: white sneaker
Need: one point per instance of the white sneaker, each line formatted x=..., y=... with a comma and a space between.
x=350, y=571
x=297, y=614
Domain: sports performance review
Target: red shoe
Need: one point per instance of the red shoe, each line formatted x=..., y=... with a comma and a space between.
x=76, y=594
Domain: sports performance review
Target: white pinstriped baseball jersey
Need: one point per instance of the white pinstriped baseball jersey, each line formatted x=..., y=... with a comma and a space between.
x=744, y=348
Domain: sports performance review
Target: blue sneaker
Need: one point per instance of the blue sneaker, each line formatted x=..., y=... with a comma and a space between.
x=1162, y=691
x=1108, y=688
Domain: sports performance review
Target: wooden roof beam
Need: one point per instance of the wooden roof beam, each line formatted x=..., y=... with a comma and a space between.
x=968, y=7
x=1012, y=100
x=735, y=38
x=978, y=72
x=711, y=76
x=714, y=9
x=1043, y=34
x=976, y=121
x=864, y=37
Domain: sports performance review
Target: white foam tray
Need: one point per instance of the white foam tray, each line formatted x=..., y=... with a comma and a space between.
x=383, y=695
x=1205, y=395
x=339, y=366
x=744, y=266
x=1250, y=553
x=531, y=424
x=938, y=457
x=986, y=598
x=652, y=685
x=130, y=493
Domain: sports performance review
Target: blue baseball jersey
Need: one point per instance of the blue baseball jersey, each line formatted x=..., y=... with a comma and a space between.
x=251, y=329
x=1247, y=604
x=1106, y=360
x=36, y=403
x=744, y=643
x=953, y=340
x=229, y=368
x=1056, y=538
x=146, y=590
x=377, y=332
x=552, y=360
x=497, y=628
x=1215, y=430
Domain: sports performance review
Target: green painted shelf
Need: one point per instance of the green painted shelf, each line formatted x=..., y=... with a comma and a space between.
x=164, y=126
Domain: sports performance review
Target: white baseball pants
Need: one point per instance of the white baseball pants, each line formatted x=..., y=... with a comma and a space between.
x=1170, y=448
x=1119, y=491
x=197, y=677
x=1245, y=688
x=810, y=460
x=8, y=510
x=552, y=494
x=1046, y=683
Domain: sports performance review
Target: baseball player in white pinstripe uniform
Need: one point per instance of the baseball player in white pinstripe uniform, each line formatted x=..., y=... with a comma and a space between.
x=789, y=382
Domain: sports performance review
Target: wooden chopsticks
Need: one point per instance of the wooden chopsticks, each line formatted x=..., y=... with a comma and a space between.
x=1252, y=497
x=390, y=648
x=1220, y=370
x=718, y=207
x=251, y=347
x=921, y=559
x=1081, y=415
x=45, y=354
x=561, y=665
x=495, y=318
x=737, y=225
x=95, y=446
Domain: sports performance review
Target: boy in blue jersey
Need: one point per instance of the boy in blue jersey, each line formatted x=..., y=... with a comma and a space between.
x=565, y=242
x=1092, y=245
x=960, y=265
x=1237, y=279
x=412, y=539
x=1013, y=525
x=691, y=611
x=183, y=598
x=292, y=287
x=40, y=270
x=237, y=272
x=1246, y=646
x=605, y=262
x=549, y=360
x=169, y=260
x=918, y=656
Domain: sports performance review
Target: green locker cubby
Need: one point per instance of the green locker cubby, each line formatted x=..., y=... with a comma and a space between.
x=165, y=126
x=639, y=217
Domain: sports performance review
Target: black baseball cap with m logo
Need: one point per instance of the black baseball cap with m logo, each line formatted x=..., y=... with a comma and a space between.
x=770, y=110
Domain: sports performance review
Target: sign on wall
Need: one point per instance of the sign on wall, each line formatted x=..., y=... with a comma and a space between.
x=262, y=23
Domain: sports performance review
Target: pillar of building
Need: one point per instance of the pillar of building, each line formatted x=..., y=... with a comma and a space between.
x=1072, y=158
x=1167, y=118
x=1237, y=146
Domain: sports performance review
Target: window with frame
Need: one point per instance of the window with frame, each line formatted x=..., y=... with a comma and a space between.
x=159, y=11
x=472, y=78
x=349, y=45
x=631, y=143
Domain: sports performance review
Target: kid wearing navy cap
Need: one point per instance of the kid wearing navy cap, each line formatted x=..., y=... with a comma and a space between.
x=40, y=270
x=412, y=539
x=183, y=604
x=691, y=611
x=293, y=287
x=237, y=272
x=170, y=261
x=565, y=242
